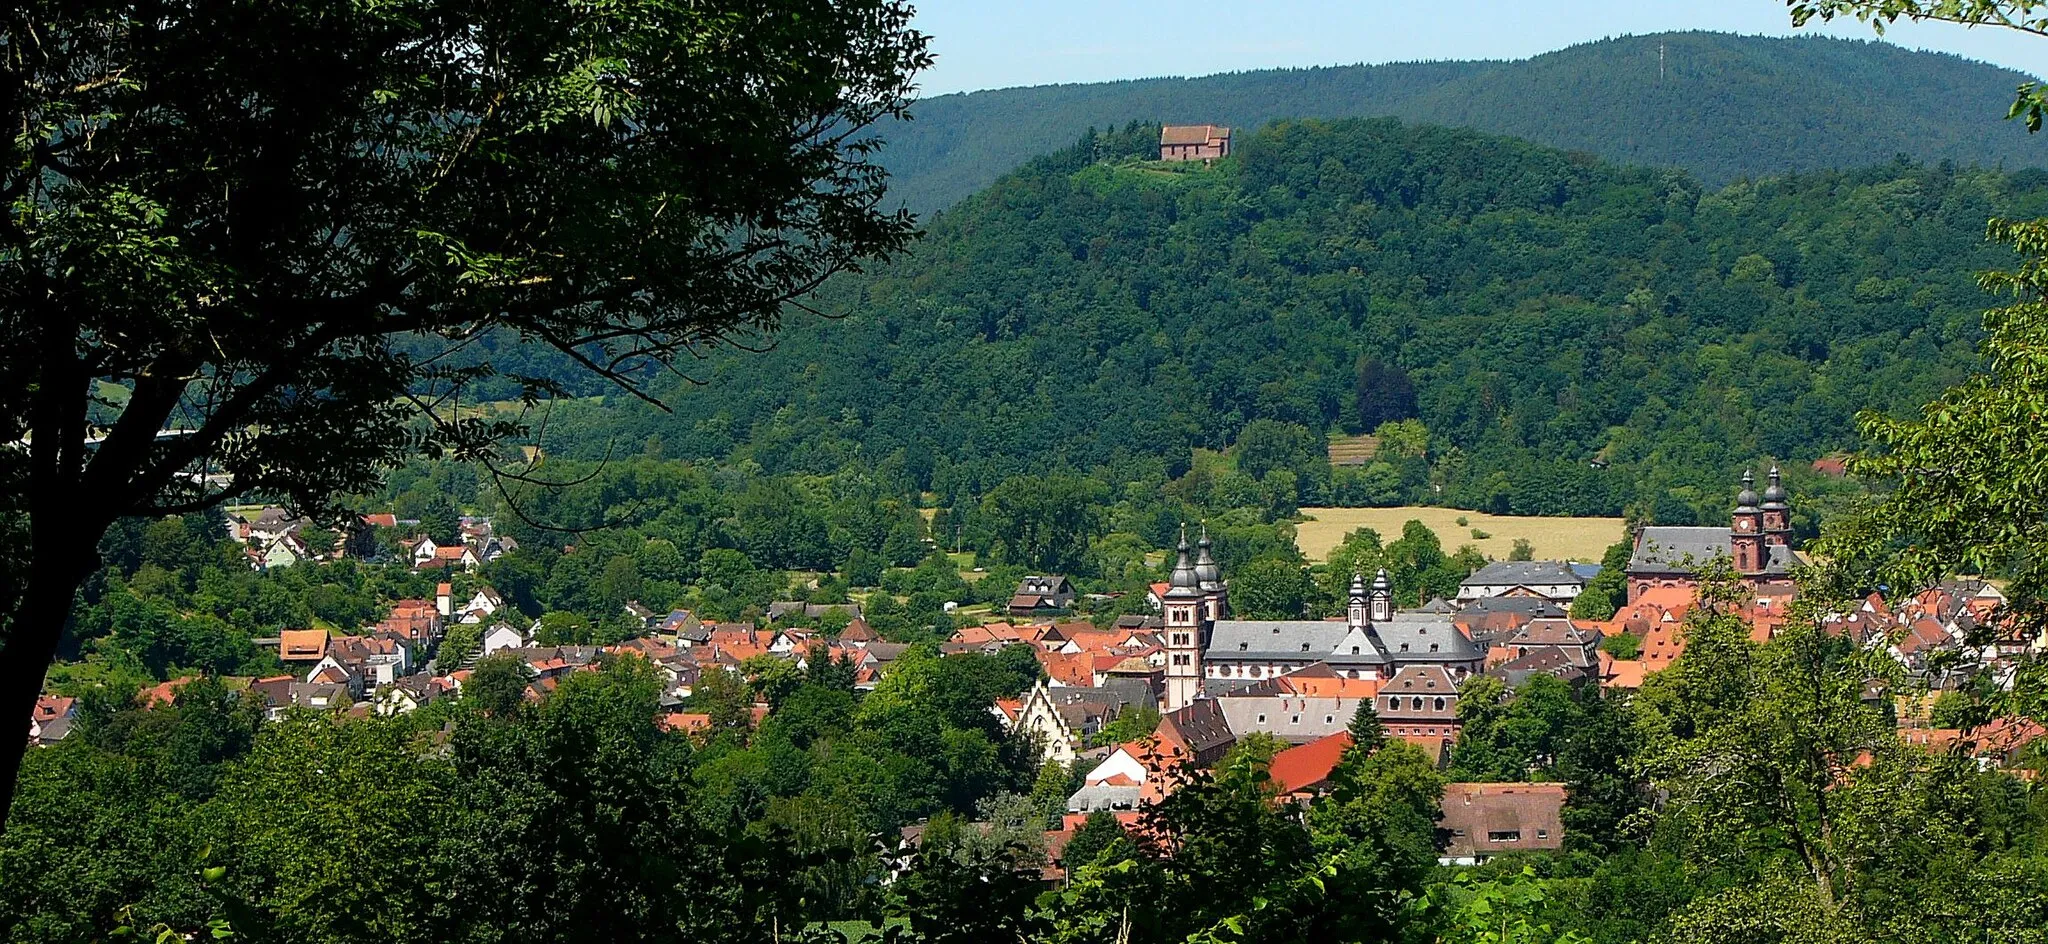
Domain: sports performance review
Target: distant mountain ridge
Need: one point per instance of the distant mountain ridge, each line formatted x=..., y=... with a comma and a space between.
x=1725, y=107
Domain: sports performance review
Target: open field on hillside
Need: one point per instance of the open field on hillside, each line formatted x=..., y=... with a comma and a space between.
x=1353, y=450
x=1582, y=539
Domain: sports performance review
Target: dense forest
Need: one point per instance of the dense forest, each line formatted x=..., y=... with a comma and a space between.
x=1553, y=334
x=1722, y=107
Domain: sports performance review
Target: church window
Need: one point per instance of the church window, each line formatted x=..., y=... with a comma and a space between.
x=1329, y=719
x=1262, y=719
x=1294, y=719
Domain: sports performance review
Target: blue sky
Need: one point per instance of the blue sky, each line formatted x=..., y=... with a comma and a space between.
x=985, y=44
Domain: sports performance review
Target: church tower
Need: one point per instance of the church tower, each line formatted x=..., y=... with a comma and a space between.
x=1209, y=580
x=1355, y=612
x=1186, y=624
x=1382, y=598
x=1745, y=530
x=1777, y=513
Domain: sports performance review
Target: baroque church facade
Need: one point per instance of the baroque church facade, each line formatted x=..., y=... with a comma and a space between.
x=1207, y=649
x=1757, y=544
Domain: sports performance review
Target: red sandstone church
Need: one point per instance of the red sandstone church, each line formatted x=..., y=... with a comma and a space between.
x=1757, y=542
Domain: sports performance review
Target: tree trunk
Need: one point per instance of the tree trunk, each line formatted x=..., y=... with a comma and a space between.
x=37, y=625
x=64, y=533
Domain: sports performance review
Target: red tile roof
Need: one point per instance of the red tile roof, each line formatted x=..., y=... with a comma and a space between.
x=1306, y=768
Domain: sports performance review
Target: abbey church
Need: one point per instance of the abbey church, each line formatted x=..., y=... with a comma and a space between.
x=1208, y=650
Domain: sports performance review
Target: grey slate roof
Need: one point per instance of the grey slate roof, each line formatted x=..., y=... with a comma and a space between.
x=1522, y=574
x=1424, y=637
x=1286, y=639
x=1676, y=550
x=1534, y=607
x=1408, y=637
x=1669, y=549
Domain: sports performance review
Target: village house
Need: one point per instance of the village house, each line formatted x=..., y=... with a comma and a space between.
x=302, y=645
x=1042, y=594
x=1296, y=719
x=1420, y=701
x=1193, y=142
x=1483, y=820
x=51, y=719
x=1062, y=719
x=1553, y=646
x=408, y=694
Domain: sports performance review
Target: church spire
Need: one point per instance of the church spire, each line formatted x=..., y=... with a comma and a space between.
x=1183, y=582
x=1208, y=575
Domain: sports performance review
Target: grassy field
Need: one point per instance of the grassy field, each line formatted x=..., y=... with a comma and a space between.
x=1353, y=450
x=1583, y=539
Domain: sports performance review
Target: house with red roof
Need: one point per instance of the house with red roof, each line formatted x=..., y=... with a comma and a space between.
x=1303, y=771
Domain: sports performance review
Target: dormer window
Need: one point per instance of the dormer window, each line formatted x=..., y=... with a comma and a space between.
x=1404, y=647
x=1432, y=647
x=1354, y=650
x=1304, y=647
x=1243, y=646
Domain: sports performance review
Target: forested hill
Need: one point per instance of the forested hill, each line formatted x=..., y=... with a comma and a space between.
x=1548, y=309
x=1726, y=107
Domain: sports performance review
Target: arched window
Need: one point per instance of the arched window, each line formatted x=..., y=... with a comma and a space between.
x=1417, y=703
x=1439, y=702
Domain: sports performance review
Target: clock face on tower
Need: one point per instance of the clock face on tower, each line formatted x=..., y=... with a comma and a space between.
x=1742, y=525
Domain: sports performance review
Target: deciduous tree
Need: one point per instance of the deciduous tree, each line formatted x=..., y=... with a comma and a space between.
x=227, y=213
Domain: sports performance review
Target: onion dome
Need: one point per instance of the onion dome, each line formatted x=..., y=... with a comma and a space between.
x=1380, y=583
x=1774, y=494
x=1357, y=587
x=1183, y=581
x=1746, y=500
x=1208, y=575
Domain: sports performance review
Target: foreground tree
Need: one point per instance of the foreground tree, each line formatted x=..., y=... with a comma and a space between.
x=223, y=217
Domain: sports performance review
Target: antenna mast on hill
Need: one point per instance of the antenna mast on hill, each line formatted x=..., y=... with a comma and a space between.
x=1660, y=63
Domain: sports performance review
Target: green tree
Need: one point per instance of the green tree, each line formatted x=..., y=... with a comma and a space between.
x=1368, y=733
x=498, y=684
x=1608, y=590
x=223, y=197
x=460, y=642
x=1098, y=833
x=1041, y=522
x=1271, y=588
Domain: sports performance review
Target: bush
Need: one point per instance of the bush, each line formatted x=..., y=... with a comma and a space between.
x=1478, y=535
x=1463, y=521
